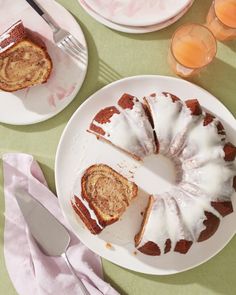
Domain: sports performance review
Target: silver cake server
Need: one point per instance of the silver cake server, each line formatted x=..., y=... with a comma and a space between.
x=51, y=236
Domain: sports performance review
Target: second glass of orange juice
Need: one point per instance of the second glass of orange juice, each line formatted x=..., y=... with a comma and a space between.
x=221, y=19
x=193, y=47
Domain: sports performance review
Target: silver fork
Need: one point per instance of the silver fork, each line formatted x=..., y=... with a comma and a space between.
x=63, y=39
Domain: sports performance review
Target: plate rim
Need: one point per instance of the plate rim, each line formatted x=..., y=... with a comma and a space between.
x=129, y=29
x=172, y=271
x=144, y=23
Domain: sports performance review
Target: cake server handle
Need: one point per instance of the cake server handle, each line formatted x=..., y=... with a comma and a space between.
x=82, y=287
x=39, y=9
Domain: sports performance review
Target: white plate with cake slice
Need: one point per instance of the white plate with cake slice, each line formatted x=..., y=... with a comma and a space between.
x=41, y=102
x=79, y=149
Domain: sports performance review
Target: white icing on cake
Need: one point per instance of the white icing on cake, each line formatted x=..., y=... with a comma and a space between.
x=203, y=142
x=77, y=193
x=171, y=122
x=130, y=130
x=176, y=228
x=206, y=176
x=198, y=154
x=6, y=35
x=86, y=205
x=158, y=233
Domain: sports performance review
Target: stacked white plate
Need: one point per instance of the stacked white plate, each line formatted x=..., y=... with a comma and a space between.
x=132, y=16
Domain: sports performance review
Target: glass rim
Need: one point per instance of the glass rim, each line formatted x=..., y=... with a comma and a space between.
x=221, y=22
x=198, y=25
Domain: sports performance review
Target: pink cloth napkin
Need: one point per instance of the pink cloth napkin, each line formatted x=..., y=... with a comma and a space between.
x=30, y=270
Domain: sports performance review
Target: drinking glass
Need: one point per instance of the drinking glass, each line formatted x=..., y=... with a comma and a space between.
x=192, y=48
x=221, y=19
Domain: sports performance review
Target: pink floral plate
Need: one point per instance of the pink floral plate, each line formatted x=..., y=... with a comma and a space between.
x=132, y=29
x=138, y=13
x=39, y=103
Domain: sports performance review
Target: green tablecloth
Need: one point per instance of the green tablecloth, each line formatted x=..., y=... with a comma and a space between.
x=114, y=55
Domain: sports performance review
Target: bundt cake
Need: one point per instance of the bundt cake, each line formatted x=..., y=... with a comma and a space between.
x=24, y=60
x=101, y=196
x=126, y=126
x=196, y=143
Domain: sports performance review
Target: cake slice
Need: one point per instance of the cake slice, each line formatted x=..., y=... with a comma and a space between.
x=163, y=229
x=101, y=196
x=126, y=126
x=24, y=60
x=165, y=108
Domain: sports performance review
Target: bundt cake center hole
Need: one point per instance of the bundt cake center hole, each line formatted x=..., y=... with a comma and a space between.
x=157, y=174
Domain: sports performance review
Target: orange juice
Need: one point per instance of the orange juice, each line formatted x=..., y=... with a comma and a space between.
x=221, y=19
x=190, y=52
x=226, y=12
x=192, y=47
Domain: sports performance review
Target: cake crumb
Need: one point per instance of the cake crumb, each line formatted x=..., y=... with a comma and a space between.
x=141, y=213
x=109, y=246
x=135, y=253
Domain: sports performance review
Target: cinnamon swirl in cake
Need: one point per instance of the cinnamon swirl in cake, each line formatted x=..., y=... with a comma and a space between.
x=24, y=60
x=101, y=196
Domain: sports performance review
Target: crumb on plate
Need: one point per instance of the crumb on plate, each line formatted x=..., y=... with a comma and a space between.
x=109, y=245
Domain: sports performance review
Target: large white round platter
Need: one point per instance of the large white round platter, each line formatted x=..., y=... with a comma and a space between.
x=79, y=149
x=133, y=29
x=138, y=13
x=41, y=102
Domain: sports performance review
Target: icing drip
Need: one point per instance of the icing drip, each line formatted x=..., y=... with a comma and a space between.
x=157, y=233
x=195, y=142
x=130, y=130
x=203, y=143
x=176, y=228
x=205, y=178
x=199, y=152
x=164, y=111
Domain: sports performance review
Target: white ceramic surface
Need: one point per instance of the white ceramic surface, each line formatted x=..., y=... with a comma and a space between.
x=79, y=149
x=44, y=101
x=138, y=13
x=130, y=29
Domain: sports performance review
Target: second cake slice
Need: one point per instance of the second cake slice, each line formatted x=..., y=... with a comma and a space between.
x=105, y=195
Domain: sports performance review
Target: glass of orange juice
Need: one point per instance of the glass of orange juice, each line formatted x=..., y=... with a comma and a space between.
x=192, y=48
x=221, y=19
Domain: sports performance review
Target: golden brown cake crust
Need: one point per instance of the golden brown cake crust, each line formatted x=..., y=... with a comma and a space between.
x=107, y=194
x=13, y=35
x=211, y=223
x=138, y=237
x=150, y=248
x=230, y=152
x=126, y=101
x=194, y=106
x=103, y=117
x=85, y=216
x=209, y=118
x=23, y=48
x=223, y=207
